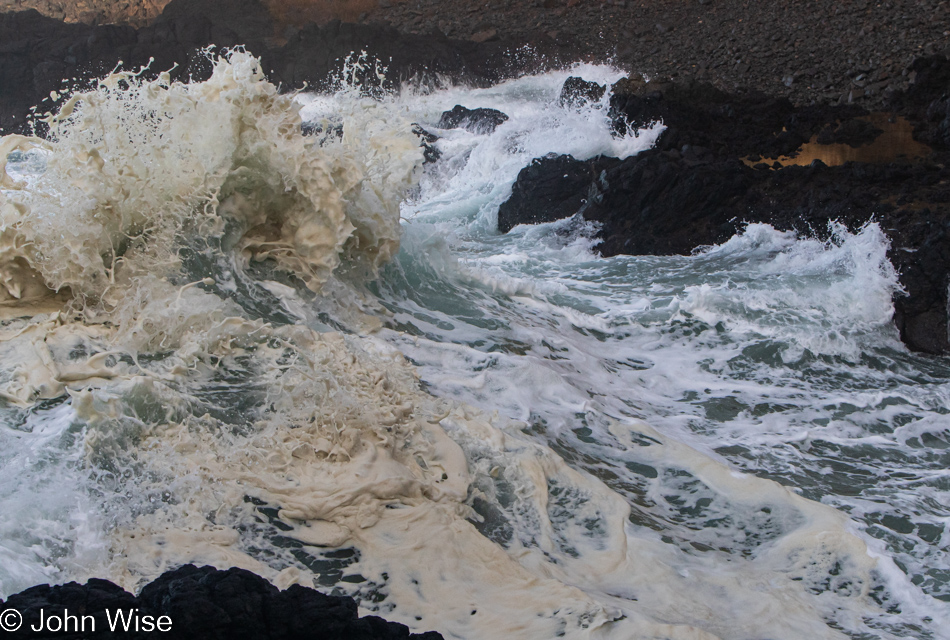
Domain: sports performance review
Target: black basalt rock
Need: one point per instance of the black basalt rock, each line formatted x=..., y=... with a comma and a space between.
x=37, y=53
x=658, y=203
x=854, y=132
x=927, y=101
x=481, y=121
x=93, y=599
x=710, y=174
x=551, y=188
x=202, y=603
x=427, y=141
x=577, y=92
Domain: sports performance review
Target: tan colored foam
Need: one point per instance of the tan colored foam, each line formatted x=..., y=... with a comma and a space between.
x=332, y=432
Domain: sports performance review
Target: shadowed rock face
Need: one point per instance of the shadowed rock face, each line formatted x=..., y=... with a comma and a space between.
x=205, y=603
x=578, y=92
x=551, y=188
x=694, y=189
x=691, y=190
x=37, y=53
x=481, y=121
x=824, y=50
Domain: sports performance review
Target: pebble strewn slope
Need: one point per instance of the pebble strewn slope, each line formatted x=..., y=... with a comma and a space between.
x=808, y=50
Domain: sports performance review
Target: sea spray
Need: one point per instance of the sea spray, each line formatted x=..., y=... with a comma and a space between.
x=194, y=368
x=774, y=352
x=210, y=436
x=135, y=165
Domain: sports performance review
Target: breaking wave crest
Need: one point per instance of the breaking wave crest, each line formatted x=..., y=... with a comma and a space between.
x=194, y=369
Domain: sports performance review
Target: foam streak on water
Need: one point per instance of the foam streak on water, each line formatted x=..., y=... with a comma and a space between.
x=220, y=345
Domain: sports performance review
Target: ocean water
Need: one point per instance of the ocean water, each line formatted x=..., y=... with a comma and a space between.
x=226, y=342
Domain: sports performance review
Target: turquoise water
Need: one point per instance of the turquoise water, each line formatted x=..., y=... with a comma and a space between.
x=732, y=444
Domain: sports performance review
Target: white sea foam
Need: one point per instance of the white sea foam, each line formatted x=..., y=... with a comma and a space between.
x=189, y=375
x=774, y=352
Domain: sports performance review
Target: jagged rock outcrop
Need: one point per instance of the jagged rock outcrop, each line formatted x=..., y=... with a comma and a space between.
x=578, y=92
x=481, y=121
x=192, y=602
x=37, y=52
x=696, y=187
x=427, y=141
x=551, y=188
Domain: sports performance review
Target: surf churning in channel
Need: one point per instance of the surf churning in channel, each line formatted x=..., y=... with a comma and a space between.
x=227, y=342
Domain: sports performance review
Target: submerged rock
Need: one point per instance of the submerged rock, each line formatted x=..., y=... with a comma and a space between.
x=192, y=602
x=427, y=141
x=481, y=121
x=322, y=131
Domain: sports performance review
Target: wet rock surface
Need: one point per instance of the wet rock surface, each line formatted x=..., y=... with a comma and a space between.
x=809, y=51
x=481, y=120
x=551, y=188
x=578, y=92
x=202, y=603
x=711, y=172
x=823, y=51
x=37, y=53
x=427, y=141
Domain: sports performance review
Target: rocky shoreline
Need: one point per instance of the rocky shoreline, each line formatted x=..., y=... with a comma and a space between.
x=716, y=169
x=820, y=69
x=809, y=51
x=699, y=178
x=39, y=55
x=192, y=602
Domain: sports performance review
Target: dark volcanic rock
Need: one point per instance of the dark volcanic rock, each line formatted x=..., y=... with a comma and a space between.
x=578, y=92
x=693, y=189
x=807, y=51
x=927, y=101
x=730, y=125
x=853, y=132
x=655, y=203
x=549, y=189
x=481, y=121
x=427, y=141
x=37, y=53
x=205, y=603
x=669, y=207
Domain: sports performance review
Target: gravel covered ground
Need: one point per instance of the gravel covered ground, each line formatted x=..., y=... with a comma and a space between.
x=808, y=50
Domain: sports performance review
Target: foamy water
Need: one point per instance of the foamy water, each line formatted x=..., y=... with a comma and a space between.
x=225, y=342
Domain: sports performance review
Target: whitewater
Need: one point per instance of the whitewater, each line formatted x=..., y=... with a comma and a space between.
x=228, y=338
